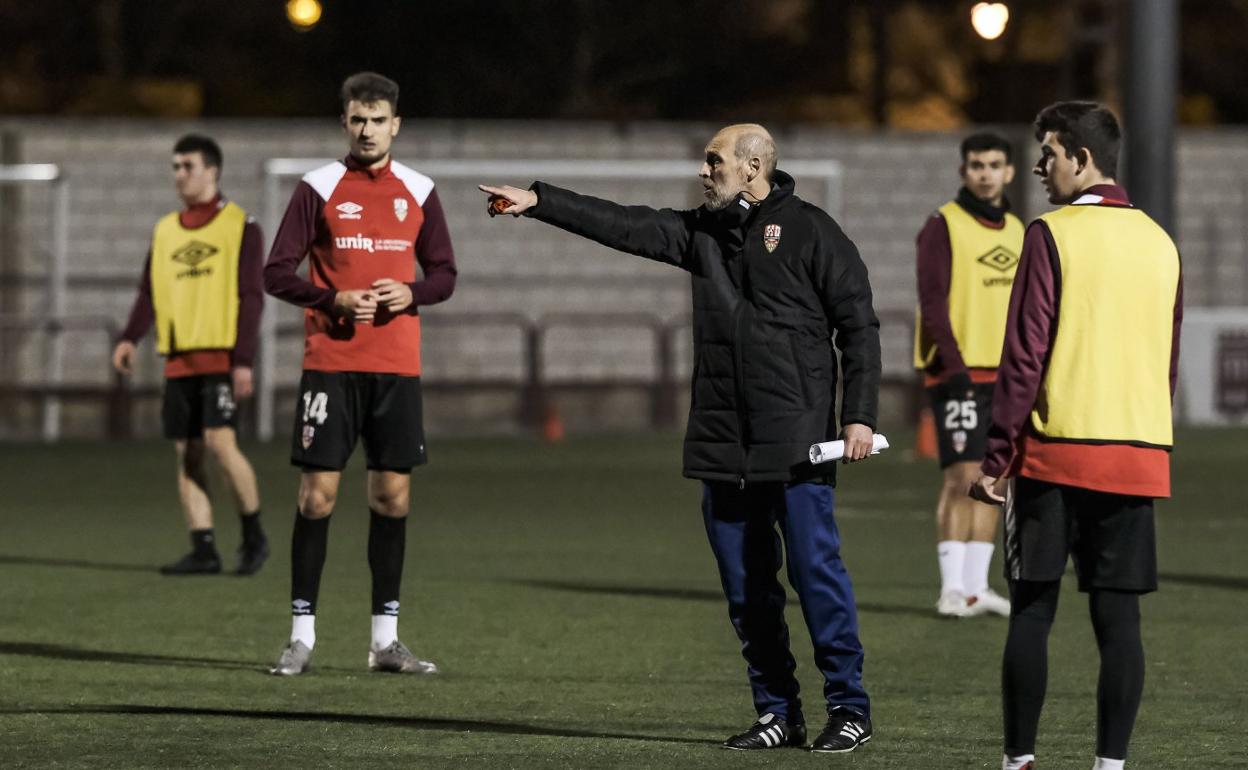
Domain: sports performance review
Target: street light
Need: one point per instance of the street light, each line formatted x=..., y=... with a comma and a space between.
x=303, y=14
x=989, y=19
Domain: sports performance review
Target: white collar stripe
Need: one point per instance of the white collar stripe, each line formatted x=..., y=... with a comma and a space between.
x=325, y=179
x=1087, y=199
x=416, y=183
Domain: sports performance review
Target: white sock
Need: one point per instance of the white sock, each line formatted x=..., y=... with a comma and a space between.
x=1017, y=763
x=303, y=629
x=975, y=573
x=952, y=556
x=1109, y=764
x=385, y=631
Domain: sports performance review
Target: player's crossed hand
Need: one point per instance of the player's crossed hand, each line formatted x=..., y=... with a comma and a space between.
x=360, y=305
x=393, y=295
x=508, y=200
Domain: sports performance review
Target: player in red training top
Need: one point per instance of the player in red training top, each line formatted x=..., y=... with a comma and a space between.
x=364, y=223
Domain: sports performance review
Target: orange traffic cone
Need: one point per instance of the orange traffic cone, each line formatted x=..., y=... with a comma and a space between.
x=552, y=425
x=925, y=436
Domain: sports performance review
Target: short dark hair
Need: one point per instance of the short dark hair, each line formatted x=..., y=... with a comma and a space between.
x=985, y=141
x=203, y=145
x=369, y=87
x=1080, y=125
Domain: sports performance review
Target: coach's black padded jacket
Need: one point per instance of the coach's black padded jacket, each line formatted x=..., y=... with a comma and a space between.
x=764, y=376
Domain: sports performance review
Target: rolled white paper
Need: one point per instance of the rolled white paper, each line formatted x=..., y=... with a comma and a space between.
x=829, y=451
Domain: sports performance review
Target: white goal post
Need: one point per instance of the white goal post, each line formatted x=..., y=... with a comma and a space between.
x=50, y=174
x=275, y=170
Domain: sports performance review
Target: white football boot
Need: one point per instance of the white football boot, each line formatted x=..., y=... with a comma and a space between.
x=987, y=602
x=952, y=604
x=397, y=659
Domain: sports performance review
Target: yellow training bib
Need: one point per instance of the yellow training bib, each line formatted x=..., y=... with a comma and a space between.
x=981, y=275
x=1108, y=379
x=195, y=281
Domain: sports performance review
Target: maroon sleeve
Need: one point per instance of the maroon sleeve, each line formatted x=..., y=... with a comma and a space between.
x=1174, y=339
x=250, y=294
x=290, y=247
x=142, y=312
x=935, y=264
x=435, y=255
x=1029, y=330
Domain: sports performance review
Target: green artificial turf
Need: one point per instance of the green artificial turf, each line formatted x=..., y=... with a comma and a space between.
x=570, y=598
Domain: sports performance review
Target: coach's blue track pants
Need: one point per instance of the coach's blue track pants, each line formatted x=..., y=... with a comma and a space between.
x=741, y=525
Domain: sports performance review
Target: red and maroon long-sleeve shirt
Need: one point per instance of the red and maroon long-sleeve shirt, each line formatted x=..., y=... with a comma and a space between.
x=250, y=306
x=1013, y=447
x=358, y=225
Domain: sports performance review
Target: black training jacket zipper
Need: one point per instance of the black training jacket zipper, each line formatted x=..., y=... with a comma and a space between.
x=738, y=354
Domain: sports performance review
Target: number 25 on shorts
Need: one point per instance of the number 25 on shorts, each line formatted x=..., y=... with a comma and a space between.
x=958, y=414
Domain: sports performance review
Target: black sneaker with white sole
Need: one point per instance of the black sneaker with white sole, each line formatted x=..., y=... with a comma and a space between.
x=769, y=732
x=846, y=731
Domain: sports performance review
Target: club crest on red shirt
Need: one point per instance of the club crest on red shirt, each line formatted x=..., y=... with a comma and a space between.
x=771, y=237
x=400, y=208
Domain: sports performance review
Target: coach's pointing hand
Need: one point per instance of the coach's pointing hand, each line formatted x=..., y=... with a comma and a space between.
x=394, y=295
x=360, y=305
x=519, y=201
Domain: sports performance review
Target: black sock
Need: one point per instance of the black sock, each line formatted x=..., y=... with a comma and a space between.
x=1024, y=668
x=386, y=543
x=203, y=542
x=252, y=531
x=1116, y=620
x=307, y=558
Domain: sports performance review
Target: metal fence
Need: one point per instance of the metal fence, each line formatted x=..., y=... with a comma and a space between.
x=537, y=387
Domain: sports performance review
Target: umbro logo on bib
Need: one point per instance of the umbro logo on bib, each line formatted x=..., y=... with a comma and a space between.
x=194, y=252
x=1000, y=258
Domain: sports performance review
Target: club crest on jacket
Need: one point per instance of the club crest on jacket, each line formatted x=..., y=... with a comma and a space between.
x=771, y=237
x=400, y=208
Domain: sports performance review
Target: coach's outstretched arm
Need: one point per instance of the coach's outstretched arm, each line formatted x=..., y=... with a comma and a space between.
x=659, y=234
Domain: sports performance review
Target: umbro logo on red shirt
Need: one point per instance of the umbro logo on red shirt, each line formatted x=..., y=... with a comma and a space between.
x=349, y=210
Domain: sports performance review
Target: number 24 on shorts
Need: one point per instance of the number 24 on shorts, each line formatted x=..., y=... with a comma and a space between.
x=958, y=414
x=314, y=407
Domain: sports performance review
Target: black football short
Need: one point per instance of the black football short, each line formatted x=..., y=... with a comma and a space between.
x=1110, y=538
x=191, y=404
x=336, y=409
x=961, y=423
